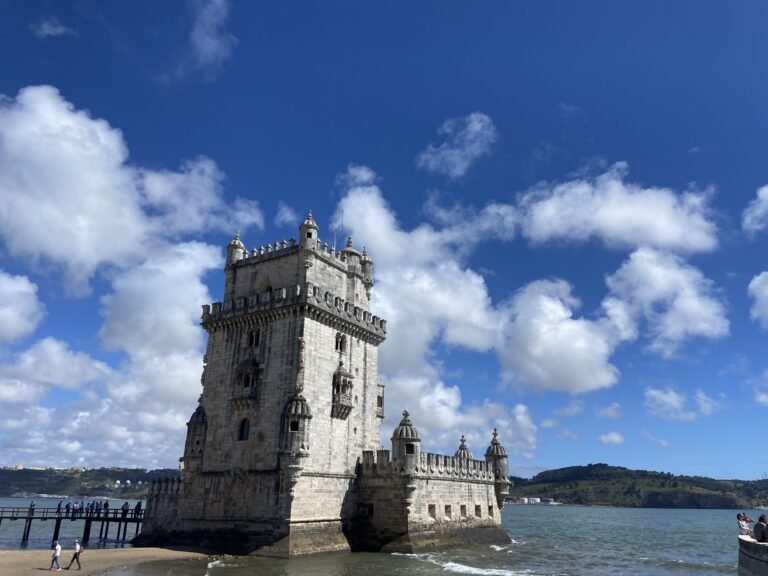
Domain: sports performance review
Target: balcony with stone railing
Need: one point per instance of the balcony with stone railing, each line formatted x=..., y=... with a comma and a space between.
x=342, y=405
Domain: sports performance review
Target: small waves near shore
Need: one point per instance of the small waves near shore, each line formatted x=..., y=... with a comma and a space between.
x=545, y=541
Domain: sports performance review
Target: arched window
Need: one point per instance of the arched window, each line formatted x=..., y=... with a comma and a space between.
x=254, y=336
x=341, y=342
x=244, y=429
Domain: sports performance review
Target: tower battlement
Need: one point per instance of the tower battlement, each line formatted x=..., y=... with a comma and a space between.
x=321, y=301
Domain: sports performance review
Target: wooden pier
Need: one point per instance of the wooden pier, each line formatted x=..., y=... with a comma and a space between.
x=116, y=516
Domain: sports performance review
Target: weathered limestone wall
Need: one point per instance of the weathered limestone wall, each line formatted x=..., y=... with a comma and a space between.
x=753, y=557
x=440, y=502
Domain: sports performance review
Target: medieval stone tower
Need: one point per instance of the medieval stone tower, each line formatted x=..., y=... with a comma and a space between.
x=281, y=453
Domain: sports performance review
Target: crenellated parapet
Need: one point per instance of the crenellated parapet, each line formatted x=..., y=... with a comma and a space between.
x=431, y=466
x=322, y=305
x=165, y=487
x=346, y=259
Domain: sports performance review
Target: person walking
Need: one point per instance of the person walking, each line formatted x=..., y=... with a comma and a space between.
x=56, y=554
x=76, y=555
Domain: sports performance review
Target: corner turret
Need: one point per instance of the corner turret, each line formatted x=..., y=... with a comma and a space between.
x=496, y=457
x=308, y=232
x=406, y=444
x=353, y=256
x=235, y=250
x=367, y=268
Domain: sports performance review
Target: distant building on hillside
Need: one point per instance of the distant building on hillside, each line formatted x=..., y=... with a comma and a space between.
x=282, y=453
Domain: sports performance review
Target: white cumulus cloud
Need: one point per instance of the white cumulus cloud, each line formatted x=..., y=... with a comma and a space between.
x=286, y=216
x=612, y=410
x=20, y=309
x=545, y=347
x=755, y=216
x=675, y=299
x=618, y=213
x=466, y=140
x=210, y=45
x=669, y=404
x=611, y=438
x=50, y=28
x=74, y=202
x=758, y=290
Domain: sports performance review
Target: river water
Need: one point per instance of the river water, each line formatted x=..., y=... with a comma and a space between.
x=546, y=541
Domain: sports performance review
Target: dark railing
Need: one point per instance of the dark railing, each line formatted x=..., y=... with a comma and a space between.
x=105, y=517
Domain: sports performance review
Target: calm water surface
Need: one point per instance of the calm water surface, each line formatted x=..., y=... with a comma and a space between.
x=546, y=541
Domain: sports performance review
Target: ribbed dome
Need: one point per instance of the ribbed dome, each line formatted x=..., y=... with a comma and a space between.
x=495, y=448
x=309, y=221
x=236, y=241
x=463, y=451
x=365, y=257
x=297, y=406
x=405, y=430
x=348, y=249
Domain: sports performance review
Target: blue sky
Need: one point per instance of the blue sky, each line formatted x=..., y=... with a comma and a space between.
x=566, y=205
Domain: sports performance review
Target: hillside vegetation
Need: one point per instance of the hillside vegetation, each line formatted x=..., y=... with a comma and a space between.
x=112, y=482
x=604, y=485
x=591, y=485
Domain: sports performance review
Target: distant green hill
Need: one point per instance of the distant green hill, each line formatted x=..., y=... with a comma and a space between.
x=591, y=485
x=112, y=482
x=604, y=485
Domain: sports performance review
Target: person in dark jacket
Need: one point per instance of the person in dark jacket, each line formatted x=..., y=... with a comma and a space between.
x=760, y=529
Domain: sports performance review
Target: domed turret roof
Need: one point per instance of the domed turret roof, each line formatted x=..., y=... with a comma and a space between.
x=236, y=241
x=405, y=430
x=495, y=448
x=309, y=221
x=348, y=249
x=297, y=406
x=365, y=257
x=463, y=451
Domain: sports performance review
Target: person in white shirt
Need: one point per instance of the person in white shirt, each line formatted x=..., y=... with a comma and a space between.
x=744, y=528
x=56, y=554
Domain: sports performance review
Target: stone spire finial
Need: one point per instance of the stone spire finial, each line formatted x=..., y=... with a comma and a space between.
x=309, y=220
x=495, y=448
x=236, y=240
x=463, y=451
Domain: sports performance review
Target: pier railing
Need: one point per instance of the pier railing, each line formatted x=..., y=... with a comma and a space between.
x=104, y=517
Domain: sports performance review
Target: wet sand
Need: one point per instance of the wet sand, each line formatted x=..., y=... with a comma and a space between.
x=94, y=561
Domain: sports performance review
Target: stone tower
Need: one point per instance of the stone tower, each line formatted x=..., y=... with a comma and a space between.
x=283, y=452
x=291, y=398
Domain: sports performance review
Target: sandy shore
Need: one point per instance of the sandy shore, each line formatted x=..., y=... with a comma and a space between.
x=94, y=561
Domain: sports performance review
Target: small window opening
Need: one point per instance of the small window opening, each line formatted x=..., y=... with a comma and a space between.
x=409, y=449
x=309, y=234
x=244, y=430
x=294, y=426
x=447, y=510
x=432, y=512
x=490, y=510
x=379, y=401
x=478, y=510
x=463, y=510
